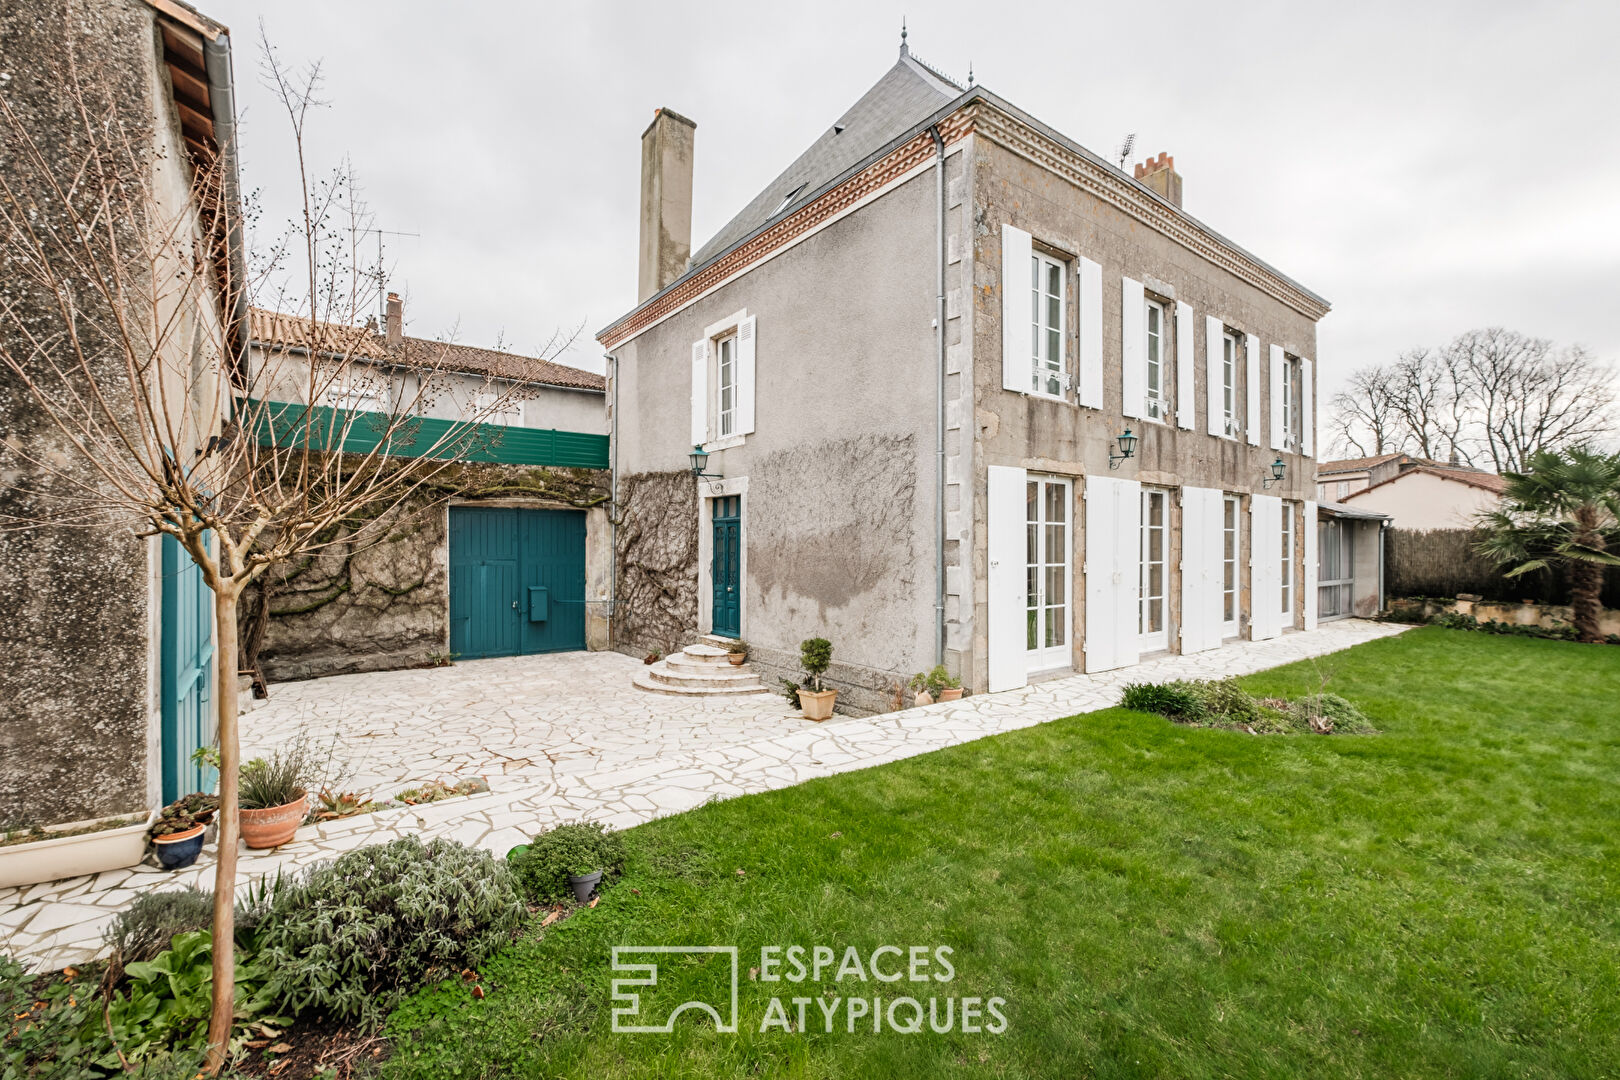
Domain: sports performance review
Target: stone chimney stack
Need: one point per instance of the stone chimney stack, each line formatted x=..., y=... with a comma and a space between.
x=395, y=320
x=1160, y=174
x=666, y=201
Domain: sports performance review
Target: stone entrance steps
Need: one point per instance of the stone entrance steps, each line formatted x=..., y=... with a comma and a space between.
x=700, y=670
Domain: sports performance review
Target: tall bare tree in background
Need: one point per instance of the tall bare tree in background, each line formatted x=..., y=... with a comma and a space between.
x=158, y=423
x=1490, y=398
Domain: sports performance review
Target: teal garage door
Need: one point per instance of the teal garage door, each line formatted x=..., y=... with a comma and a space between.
x=517, y=581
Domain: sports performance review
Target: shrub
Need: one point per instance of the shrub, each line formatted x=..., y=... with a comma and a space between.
x=149, y=924
x=1176, y=700
x=543, y=866
x=1225, y=702
x=356, y=934
x=1340, y=715
x=815, y=654
x=790, y=690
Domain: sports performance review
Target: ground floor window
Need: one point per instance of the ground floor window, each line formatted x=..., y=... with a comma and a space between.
x=1231, y=508
x=1287, y=565
x=1046, y=608
x=1153, y=614
x=1335, y=542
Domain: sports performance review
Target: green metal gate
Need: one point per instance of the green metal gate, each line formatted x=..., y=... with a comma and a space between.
x=517, y=581
x=187, y=679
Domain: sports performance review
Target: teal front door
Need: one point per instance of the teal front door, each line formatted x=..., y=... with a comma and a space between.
x=727, y=569
x=187, y=676
x=517, y=581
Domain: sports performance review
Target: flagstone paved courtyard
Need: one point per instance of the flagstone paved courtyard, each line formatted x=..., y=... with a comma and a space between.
x=566, y=737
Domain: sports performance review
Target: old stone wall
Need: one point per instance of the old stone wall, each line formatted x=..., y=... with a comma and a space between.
x=655, y=603
x=378, y=598
x=77, y=699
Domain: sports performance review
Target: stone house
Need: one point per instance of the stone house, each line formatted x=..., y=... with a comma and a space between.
x=510, y=558
x=105, y=648
x=913, y=361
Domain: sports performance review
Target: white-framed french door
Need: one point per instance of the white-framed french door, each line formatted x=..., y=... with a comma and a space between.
x=1153, y=622
x=1231, y=551
x=1287, y=538
x=1048, y=504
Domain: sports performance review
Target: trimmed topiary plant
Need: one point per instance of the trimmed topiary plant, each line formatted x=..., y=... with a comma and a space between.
x=354, y=935
x=543, y=865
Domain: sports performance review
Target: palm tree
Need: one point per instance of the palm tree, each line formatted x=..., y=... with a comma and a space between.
x=1565, y=509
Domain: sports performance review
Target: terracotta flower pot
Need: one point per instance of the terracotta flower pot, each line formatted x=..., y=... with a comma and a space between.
x=738, y=659
x=950, y=693
x=179, y=850
x=817, y=704
x=923, y=697
x=274, y=825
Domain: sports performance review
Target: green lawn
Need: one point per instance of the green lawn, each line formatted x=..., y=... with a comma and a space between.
x=1150, y=900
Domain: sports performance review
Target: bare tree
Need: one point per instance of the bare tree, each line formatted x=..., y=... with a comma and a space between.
x=113, y=325
x=1490, y=397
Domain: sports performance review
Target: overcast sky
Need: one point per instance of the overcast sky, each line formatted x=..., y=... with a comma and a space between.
x=1428, y=167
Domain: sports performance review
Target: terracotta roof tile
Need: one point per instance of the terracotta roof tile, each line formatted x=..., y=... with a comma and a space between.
x=278, y=328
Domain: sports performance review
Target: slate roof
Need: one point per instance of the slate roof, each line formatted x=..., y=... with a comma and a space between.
x=909, y=93
x=290, y=331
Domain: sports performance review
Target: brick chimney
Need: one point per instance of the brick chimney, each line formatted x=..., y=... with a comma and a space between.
x=395, y=320
x=666, y=201
x=1160, y=174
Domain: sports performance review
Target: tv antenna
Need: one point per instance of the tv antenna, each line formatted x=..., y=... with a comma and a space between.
x=382, y=292
x=1125, y=149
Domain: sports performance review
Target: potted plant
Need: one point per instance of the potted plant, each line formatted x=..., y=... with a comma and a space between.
x=273, y=796
x=815, y=655
x=921, y=694
x=29, y=856
x=943, y=685
x=737, y=653
x=178, y=833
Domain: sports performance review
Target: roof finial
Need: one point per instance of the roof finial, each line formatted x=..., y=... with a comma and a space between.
x=903, y=50
x=970, y=73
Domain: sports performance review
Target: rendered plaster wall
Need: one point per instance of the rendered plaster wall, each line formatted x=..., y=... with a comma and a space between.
x=79, y=719
x=836, y=481
x=1061, y=438
x=1422, y=500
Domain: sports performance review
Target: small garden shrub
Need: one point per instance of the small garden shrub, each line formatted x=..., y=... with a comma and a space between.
x=1225, y=702
x=543, y=866
x=356, y=934
x=1344, y=717
x=1176, y=700
x=146, y=927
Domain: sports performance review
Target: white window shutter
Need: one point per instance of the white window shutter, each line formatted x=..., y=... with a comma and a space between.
x=1186, y=410
x=747, y=339
x=1214, y=373
x=1017, y=300
x=1091, y=334
x=1133, y=348
x=700, y=392
x=1008, y=552
x=1307, y=410
x=1201, y=568
x=1308, y=535
x=1279, y=438
x=1251, y=383
x=1112, y=571
x=1265, y=567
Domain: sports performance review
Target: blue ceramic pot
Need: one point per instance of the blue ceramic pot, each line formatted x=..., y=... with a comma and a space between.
x=182, y=851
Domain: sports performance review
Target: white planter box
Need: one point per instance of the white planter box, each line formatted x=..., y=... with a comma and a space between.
x=72, y=856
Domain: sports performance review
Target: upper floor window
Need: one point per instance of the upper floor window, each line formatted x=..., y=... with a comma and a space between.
x=1158, y=406
x=726, y=382
x=1293, y=435
x=1048, y=279
x=1231, y=357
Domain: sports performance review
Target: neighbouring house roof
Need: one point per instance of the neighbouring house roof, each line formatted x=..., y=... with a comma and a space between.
x=275, y=328
x=896, y=111
x=1360, y=464
x=907, y=94
x=1472, y=477
x=1341, y=510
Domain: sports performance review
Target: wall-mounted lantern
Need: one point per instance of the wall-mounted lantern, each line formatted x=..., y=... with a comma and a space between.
x=1127, y=448
x=700, y=458
x=1277, y=470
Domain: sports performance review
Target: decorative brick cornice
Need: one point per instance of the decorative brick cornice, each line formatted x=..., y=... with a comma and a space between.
x=1020, y=138
x=874, y=178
